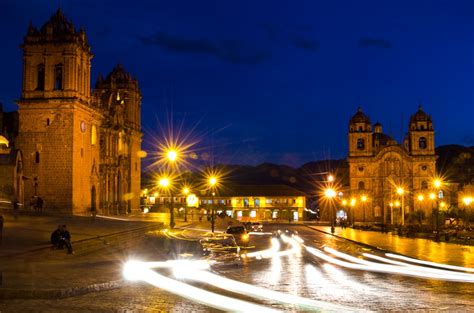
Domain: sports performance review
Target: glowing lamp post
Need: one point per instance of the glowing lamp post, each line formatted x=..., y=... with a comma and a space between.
x=165, y=184
x=330, y=194
x=212, y=182
x=353, y=203
x=401, y=192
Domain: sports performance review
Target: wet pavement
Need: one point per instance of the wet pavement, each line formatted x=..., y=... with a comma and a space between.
x=297, y=273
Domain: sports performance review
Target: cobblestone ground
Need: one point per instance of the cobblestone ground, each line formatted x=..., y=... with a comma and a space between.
x=130, y=298
x=299, y=274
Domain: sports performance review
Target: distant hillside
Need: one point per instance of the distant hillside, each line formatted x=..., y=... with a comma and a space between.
x=455, y=162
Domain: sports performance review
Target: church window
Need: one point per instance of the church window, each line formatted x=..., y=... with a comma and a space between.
x=93, y=135
x=47, y=122
x=361, y=168
x=361, y=185
x=58, y=77
x=37, y=157
x=360, y=129
x=422, y=143
x=440, y=194
x=422, y=127
x=424, y=167
x=424, y=184
x=40, y=82
x=360, y=144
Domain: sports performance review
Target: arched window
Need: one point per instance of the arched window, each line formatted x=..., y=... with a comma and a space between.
x=424, y=184
x=93, y=134
x=360, y=129
x=422, y=143
x=360, y=144
x=40, y=78
x=361, y=185
x=58, y=77
x=256, y=202
x=37, y=157
x=440, y=194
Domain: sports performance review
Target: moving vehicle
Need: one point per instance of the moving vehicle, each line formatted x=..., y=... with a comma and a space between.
x=221, y=250
x=256, y=227
x=240, y=234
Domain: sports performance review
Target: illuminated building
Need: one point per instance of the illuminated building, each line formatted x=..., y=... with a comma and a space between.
x=80, y=146
x=379, y=167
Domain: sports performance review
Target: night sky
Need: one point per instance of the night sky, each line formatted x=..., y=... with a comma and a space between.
x=273, y=81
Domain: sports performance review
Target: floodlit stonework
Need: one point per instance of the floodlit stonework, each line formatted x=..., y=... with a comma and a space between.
x=80, y=146
x=379, y=167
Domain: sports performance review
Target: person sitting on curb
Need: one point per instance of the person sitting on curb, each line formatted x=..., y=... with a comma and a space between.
x=56, y=238
x=66, y=238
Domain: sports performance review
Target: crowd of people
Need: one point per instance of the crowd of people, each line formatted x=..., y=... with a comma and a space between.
x=61, y=238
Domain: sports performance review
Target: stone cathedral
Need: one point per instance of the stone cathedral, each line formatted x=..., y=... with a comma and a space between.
x=81, y=147
x=378, y=165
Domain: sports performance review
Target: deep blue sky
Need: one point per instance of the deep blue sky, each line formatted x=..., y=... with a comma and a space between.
x=274, y=80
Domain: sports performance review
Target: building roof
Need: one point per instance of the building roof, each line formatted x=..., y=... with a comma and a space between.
x=260, y=191
x=57, y=29
x=359, y=117
x=420, y=116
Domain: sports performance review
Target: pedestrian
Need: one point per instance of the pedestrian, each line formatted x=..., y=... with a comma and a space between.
x=39, y=204
x=15, y=208
x=1, y=229
x=66, y=238
x=33, y=203
x=56, y=238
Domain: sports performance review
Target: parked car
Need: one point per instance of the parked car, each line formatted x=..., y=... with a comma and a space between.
x=240, y=234
x=220, y=250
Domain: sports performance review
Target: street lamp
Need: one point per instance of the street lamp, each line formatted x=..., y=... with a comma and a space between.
x=330, y=194
x=165, y=183
x=185, y=193
x=363, y=198
x=401, y=192
x=212, y=183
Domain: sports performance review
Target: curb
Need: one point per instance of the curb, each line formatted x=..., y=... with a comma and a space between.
x=10, y=293
x=354, y=241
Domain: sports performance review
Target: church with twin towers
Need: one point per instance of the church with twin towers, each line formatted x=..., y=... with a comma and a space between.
x=81, y=146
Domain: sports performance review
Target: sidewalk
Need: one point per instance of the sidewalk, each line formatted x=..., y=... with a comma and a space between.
x=30, y=269
x=424, y=249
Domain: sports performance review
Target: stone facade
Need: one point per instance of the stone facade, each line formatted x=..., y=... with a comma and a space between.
x=378, y=166
x=65, y=129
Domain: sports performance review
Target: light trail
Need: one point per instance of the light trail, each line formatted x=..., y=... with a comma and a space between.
x=257, y=292
x=383, y=268
x=274, y=250
x=447, y=266
x=136, y=270
x=417, y=267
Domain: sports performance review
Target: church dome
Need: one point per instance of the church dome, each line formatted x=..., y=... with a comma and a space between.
x=359, y=117
x=420, y=116
x=119, y=75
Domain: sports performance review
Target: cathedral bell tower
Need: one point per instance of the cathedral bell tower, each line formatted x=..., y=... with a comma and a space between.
x=56, y=117
x=360, y=135
x=421, y=134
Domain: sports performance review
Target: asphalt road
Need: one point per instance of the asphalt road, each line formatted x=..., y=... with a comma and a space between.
x=290, y=270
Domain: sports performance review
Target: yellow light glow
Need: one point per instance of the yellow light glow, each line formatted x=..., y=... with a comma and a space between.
x=400, y=191
x=329, y=193
x=421, y=197
x=442, y=204
x=353, y=201
x=344, y=202
x=185, y=190
x=212, y=181
x=432, y=196
x=172, y=155
x=467, y=200
x=155, y=194
x=390, y=204
x=192, y=201
x=164, y=182
x=363, y=198
x=437, y=183
x=397, y=204
x=330, y=178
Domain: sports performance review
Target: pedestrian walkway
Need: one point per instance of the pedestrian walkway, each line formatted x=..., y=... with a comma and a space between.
x=424, y=249
x=30, y=269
